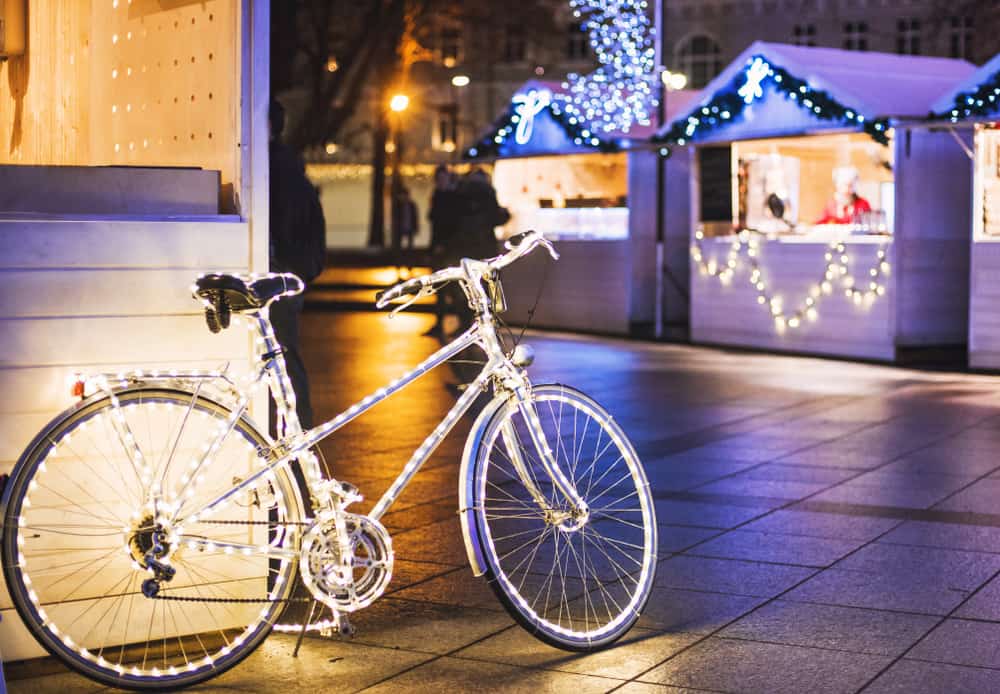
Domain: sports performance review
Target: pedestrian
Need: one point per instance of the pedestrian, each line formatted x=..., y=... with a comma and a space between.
x=479, y=214
x=297, y=245
x=443, y=216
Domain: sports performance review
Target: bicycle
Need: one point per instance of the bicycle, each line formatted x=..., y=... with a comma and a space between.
x=152, y=533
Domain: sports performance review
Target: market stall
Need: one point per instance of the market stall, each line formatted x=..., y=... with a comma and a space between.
x=820, y=223
x=973, y=108
x=595, y=196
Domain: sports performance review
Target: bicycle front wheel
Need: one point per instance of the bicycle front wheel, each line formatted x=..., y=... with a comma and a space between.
x=81, y=511
x=575, y=583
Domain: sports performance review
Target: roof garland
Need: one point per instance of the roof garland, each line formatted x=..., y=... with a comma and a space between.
x=982, y=101
x=728, y=104
x=488, y=147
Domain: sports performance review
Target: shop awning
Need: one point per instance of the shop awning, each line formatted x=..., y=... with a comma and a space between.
x=976, y=97
x=775, y=89
x=535, y=123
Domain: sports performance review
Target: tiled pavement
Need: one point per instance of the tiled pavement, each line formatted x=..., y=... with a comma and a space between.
x=825, y=527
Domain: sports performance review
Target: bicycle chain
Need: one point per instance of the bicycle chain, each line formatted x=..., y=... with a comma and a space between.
x=241, y=601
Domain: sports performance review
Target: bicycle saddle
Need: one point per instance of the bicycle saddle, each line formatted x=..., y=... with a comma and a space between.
x=224, y=294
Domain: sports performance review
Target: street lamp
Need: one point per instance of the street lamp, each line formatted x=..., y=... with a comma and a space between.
x=460, y=80
x=399, y=102
x=457, y=82
x=673, y=81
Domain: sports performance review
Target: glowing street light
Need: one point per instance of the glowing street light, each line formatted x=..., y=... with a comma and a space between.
x=460, y=80
x=399, y=103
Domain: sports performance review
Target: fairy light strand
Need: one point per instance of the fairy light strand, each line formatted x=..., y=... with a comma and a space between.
x=859, y=291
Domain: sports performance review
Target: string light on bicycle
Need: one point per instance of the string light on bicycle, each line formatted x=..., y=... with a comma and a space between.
x=154, y=534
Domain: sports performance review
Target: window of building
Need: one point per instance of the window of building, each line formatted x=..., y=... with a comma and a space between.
x=577, y=42
x=908, y=37
x=450, y=46
x=698, y=57
x=961, y=37
x=444, y=136
x=804, y=35
x=515, y=46
x=856, y=36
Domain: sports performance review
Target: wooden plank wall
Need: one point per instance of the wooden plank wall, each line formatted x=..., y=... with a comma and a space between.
x=730, y=315
x=101, y=295
x=984, y=290
x=138, y=83
x=587, y=289
x=933, y=235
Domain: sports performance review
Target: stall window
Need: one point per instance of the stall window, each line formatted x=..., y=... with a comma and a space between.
x=961, y=37
x=856, y=36
x=715, y=186
x=699, y=59
x=450, y=46
x=515, y=46
x=908, y=37
x=804, y=35
x=577, y=42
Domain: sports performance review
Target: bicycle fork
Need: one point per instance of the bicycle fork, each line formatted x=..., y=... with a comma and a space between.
x=578, y=512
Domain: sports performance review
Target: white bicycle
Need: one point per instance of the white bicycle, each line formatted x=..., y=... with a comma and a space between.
x=152, y=534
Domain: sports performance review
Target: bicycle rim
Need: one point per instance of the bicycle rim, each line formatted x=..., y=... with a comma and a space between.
x=79, y=523
x=577, y=586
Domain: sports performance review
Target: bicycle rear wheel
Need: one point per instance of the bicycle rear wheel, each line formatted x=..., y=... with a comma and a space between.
x=578, y=584
x=79, y=523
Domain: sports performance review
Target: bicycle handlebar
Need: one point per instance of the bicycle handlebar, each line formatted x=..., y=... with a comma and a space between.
x=517, y=247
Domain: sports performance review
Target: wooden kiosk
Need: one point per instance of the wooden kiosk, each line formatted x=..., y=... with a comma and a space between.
x=134, y=157
x=820, y=224
x=972, y=107
x=596, y=198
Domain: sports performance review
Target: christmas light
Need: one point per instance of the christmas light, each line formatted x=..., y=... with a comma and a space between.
x=836, y=270
x=747, y=86
x=984, y=100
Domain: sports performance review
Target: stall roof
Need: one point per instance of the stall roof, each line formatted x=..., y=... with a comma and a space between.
x=551, y=130
x=831, y=89
x=974, y=97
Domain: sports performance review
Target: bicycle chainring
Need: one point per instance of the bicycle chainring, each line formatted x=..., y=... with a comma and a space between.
x=371, y=566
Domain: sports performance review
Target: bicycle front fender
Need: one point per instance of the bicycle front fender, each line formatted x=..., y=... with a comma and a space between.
x=466, y=480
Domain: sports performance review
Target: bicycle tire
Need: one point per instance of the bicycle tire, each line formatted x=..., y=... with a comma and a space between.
x=506, y=514
x=39, y=511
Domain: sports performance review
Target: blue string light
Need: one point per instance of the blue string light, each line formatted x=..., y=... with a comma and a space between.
x=982, y=101
x=728, y=104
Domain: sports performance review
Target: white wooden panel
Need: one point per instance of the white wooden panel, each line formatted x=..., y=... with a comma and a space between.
x=587, y=289
x=933, y=231
x=136, y=340
x=79, y=243
x=51, y=292
x=984, y=308
x=16, y=432
x=730, y=314
x=15, y=641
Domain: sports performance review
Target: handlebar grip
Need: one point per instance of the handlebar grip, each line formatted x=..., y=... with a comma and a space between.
x=411, y=286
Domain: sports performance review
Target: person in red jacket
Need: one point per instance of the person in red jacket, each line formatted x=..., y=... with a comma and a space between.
x=846, y=205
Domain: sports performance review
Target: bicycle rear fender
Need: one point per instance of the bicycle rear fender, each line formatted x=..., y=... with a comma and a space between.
x=466, y=480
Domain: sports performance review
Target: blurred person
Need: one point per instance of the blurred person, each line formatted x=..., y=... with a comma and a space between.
x=443, y=216
x=405, y=223
x=846, y=205
x=297, y=245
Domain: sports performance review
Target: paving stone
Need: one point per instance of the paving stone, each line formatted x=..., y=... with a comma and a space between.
x=698, y=612
x=767, y=488
x=975, y=538
x=706, y=515
x=463, y=675
x=826, y=525
x=913, y=677
x=728, y=576
x=961, y=642
x=777, y=548
x=676, y=538
x=897, y=591
x=747, y=666
x=636, y=652
x=796, y=473
x=840, y=628
x=981, y=497
x=425, y=627
x=913, y=497
x=985, y=604
x=458, y=587
x=441, y=542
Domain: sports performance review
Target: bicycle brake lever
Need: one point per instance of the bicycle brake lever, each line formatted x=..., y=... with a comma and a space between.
x=402, y=307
